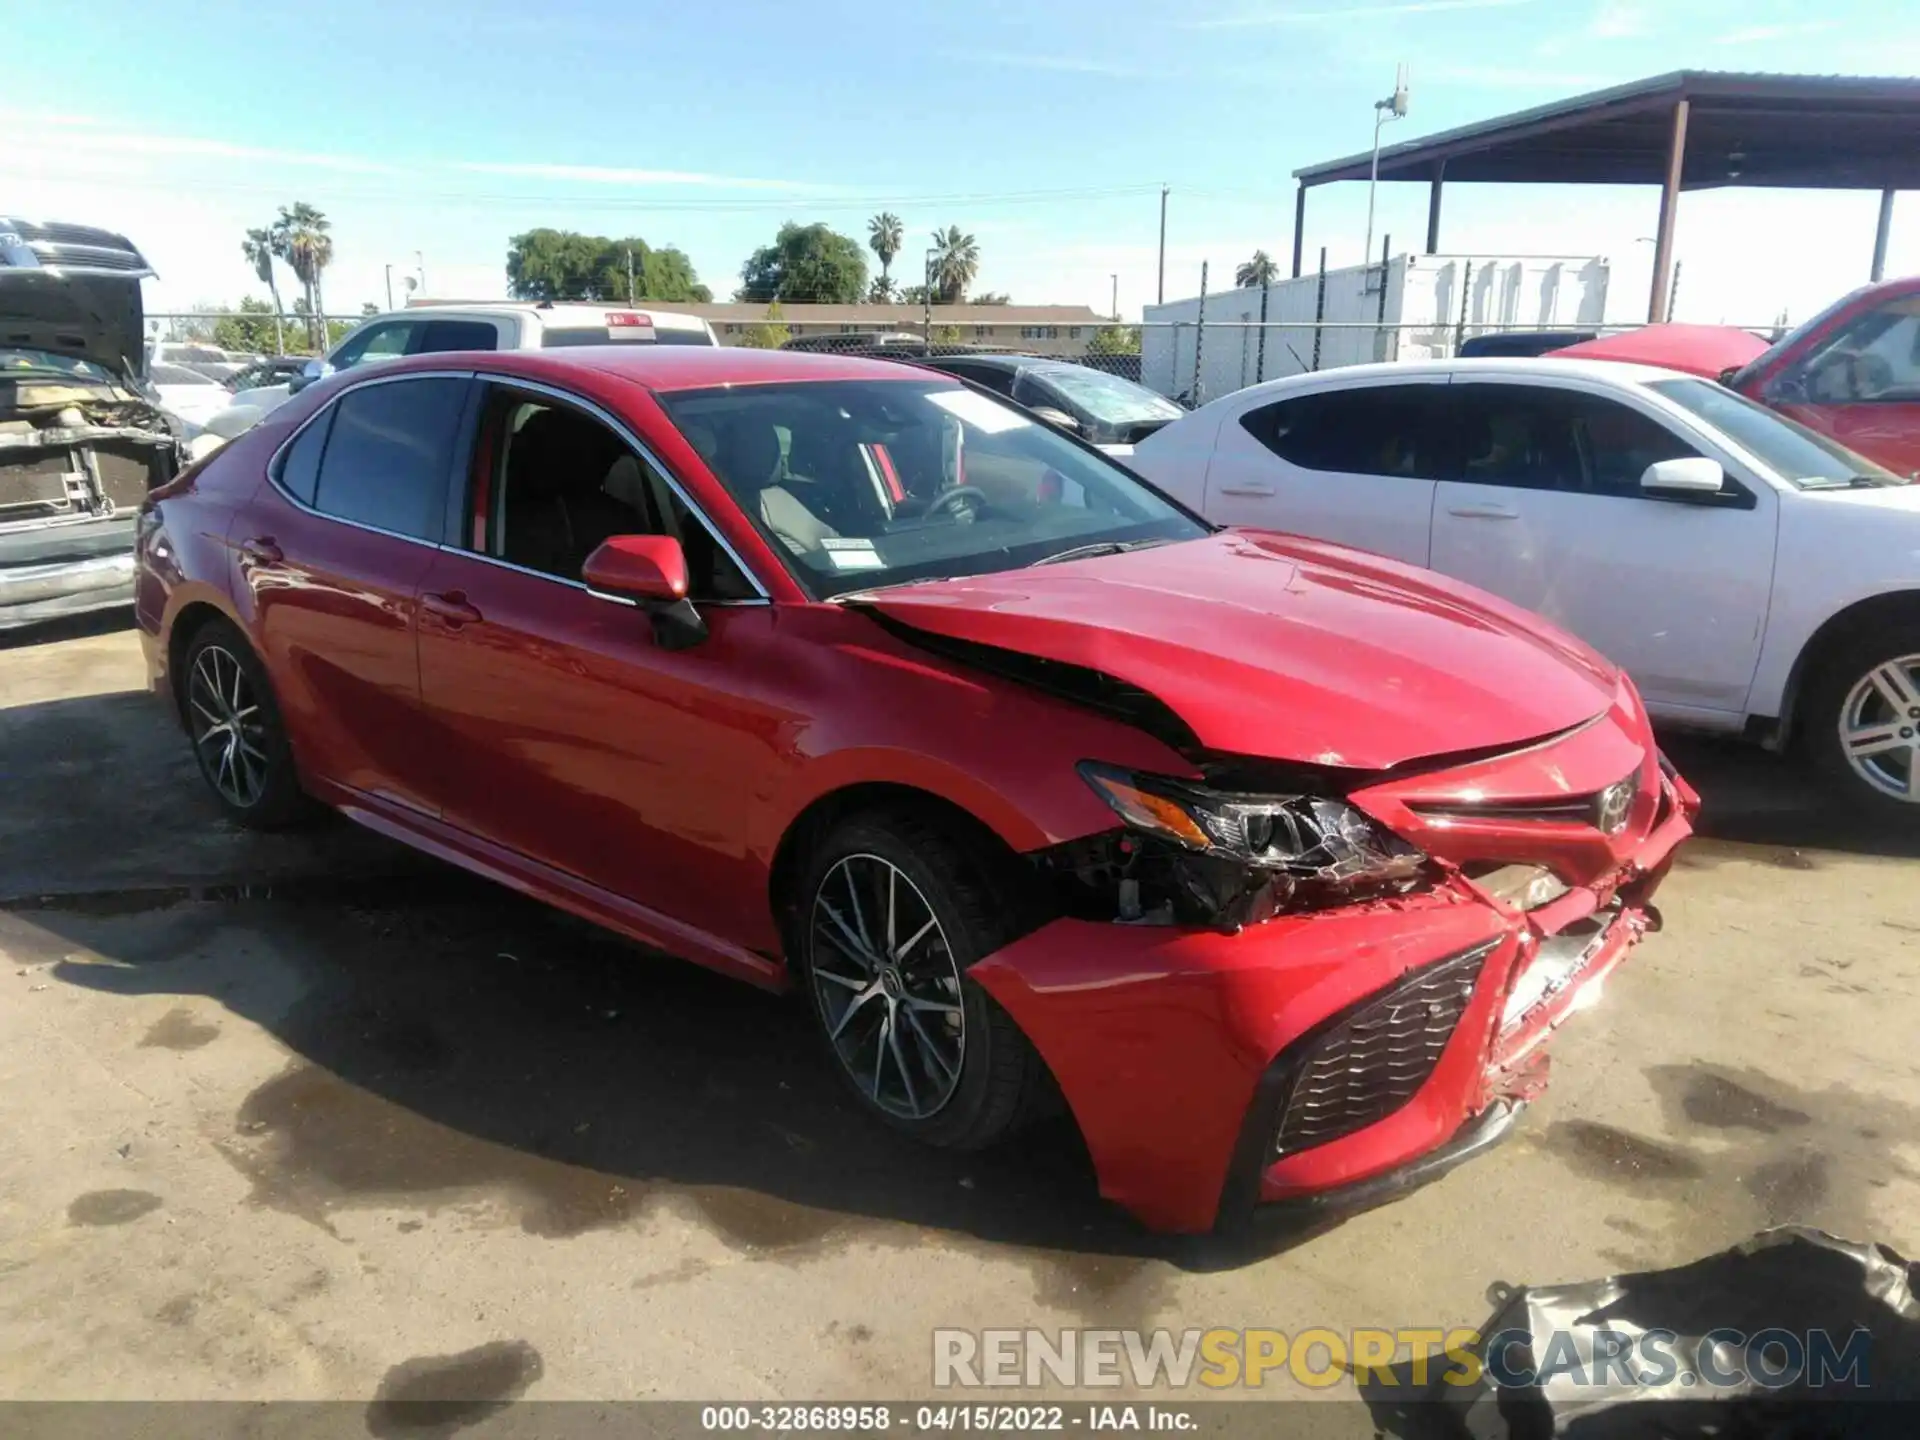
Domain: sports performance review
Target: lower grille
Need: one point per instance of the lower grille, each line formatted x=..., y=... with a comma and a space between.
x=1372, y=1062
x=37, y=484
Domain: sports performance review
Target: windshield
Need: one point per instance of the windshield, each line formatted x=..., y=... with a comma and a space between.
x=18, y=360
x=1805, y=457
x=1792, y=338
x=864, y=483
x=1108, y=398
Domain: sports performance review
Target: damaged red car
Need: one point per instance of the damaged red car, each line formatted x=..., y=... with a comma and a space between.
x=1276, y=862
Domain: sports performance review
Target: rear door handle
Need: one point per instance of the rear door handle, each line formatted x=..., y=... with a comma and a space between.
x=452, y=608
x=1483, y=512
x=1247, y=487
x=262, y=551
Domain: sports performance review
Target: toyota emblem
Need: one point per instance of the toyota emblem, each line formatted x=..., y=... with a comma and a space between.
x=1616, y=804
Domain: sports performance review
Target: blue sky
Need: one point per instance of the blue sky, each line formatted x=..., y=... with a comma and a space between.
x=1045, y=127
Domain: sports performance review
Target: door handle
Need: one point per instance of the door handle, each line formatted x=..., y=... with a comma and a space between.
x=1483, y=512
x=262, y=551
x=1247, y=487
x=451, y=608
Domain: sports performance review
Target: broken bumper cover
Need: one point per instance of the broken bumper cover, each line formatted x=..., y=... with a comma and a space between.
x=1345, y=1053
x=47, y=572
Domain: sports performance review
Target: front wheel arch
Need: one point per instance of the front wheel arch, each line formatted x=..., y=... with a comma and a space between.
x=1839, y=630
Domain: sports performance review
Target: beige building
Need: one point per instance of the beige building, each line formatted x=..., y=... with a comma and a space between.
x=1036, y=329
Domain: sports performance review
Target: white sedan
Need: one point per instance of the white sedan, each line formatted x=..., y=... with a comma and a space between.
x=1752, y=576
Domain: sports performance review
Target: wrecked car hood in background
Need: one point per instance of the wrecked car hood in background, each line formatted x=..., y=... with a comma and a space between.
x=1284, y=648
x=73, y=290
x=1551, y=1362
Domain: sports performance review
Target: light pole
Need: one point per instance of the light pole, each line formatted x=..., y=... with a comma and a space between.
x=389, y=287
x=420, y=262
x=1394, y=107
x=928, y=296
x=1116, y=298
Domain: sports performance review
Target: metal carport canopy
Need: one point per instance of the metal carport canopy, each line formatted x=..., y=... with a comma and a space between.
x=1691, y=130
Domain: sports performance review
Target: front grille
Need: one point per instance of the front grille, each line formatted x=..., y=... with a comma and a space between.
x=1372, y=1062
x=89, y=257
x=1605, y=810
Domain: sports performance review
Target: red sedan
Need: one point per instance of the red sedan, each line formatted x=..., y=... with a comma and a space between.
x=1277, y=861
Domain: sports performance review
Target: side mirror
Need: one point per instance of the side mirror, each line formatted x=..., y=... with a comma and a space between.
x=1059, y=419
x=313, y=370
x=649, y=571
x=1690, y=475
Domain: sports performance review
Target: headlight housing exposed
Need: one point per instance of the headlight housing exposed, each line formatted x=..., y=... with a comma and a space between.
x=1230, y=859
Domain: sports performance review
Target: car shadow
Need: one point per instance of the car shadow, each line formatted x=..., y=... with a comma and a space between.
x=69, y=627
x=1752, y=797
x=449, y=1039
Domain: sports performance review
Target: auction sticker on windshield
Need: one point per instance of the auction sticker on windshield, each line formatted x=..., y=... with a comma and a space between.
x=852, y=555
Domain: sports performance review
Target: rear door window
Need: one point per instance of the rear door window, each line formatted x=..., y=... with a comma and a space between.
x=387, y=341
x=389, y=454
x=1393, y=430
x=439, y=335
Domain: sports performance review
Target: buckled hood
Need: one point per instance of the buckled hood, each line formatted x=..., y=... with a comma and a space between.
x=1284, y=648
x=75, y=291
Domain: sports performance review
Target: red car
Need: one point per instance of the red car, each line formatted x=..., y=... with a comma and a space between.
x=1276, y=861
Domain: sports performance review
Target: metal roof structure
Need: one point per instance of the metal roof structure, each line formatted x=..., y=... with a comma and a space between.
x=1690, y=130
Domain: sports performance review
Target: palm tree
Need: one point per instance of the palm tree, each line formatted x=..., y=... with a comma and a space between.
x=884, y=236
x=956, y=260
x=300, y=238
x=258, y=248
x=1260, y=270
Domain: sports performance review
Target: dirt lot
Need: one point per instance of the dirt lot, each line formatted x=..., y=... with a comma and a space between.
x=310, y=1117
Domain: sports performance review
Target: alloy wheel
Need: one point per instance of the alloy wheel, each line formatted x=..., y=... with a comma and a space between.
x=887, y=986
x=229, y=731
x=1880, y=728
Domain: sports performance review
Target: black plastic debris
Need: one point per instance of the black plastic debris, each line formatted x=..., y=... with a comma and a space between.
x=1793, y=1333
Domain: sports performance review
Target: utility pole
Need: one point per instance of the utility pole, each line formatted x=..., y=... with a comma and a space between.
x=420, y=260
x=1160, y=290
x=1116, y=299
x=632, y=294
x=389, y=287
x=1394, y=107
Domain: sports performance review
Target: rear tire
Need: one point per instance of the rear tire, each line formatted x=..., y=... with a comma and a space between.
x=234, y=725
x=893, y=912
x=1863, y=718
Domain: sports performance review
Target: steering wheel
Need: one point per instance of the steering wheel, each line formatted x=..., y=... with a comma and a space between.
x=966, y=501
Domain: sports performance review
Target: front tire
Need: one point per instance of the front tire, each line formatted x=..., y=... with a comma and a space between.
x=234, y=725
x=893, y=913
x=1863, y=718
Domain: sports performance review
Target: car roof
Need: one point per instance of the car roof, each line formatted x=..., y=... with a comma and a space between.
x=1541, y=367
x=554, y=314
x=666, y=368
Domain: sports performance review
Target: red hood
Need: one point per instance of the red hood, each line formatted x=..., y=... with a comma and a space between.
x=1289, y=649
x=1697, y=349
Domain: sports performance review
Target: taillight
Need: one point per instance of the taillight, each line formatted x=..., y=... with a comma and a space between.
x=628, y=320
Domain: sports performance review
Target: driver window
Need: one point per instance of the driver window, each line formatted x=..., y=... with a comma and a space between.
x=553, y=483
x=1876, y=357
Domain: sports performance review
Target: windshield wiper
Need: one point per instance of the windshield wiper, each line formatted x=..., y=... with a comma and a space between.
x=1860, y=482
x=1098, y=547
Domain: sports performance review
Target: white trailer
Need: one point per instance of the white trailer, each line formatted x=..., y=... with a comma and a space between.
x=1426, y=306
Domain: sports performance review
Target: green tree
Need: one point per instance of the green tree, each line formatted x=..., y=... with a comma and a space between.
x=884, y=238
x=1260, y=270
x=547, y=264
x=258, y=248
x=1115, y=340
x=956, y=260
x=300, y=238
x=882, y=291
x=256, y=328
x=770, y=335
x=991, y=297
x=946, y=334
x=805, y=264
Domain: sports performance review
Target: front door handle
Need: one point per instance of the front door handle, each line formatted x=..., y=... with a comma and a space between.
x=1483, y=512
x=262, y=551
x=451, y=608
x=1247, y=487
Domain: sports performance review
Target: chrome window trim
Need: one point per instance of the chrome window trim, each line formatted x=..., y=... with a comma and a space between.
x=645, y=452
x=620, y=428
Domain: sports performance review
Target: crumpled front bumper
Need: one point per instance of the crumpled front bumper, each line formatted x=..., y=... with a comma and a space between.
x=1177, y=1048
x=50, y=571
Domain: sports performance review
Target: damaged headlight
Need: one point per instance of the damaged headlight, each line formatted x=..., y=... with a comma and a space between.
x=1194, y=854
x=1310, y=836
